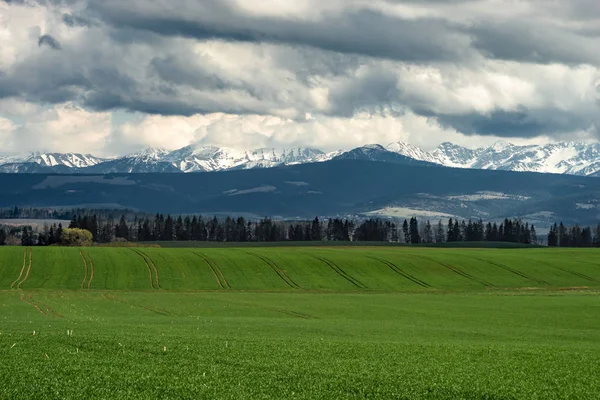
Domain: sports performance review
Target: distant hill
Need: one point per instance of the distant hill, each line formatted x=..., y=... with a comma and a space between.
x=337, y=187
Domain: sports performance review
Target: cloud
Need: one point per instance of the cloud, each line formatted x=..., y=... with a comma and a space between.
x=202, y=70
x=49, y=41
x=63, y=128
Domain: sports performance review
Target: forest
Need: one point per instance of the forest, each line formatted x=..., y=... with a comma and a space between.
x=140, y=227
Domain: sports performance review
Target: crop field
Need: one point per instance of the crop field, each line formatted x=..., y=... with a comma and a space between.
x=299, y=323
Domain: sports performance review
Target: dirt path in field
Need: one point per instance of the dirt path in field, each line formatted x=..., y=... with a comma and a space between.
x=85, y=267
x=514, y=271
x=153, y=267
x=12, y=285
x=39, y=303
x=147, y=266
x=281, y=273
x=28, y=268
x=89, y=285
x=290, y=313
x=402, y=273
x=114, y=298
x=459, y=272
x=23, y=299
x=221, y=280
x=341, y=272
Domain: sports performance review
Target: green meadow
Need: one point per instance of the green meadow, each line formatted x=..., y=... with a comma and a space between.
x=299, y=323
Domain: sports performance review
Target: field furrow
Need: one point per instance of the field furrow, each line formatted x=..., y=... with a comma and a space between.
x=85, y=268
x=28, y=269
x=22, y=268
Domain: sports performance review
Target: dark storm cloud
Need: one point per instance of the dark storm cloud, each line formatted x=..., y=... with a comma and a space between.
x=75, y=21
x=130, y=55
x=364, y=32
x=533, y=43
x=372, y=91
x=183, y=72
x=49, y=41
x=524, y=123
x=367, y=32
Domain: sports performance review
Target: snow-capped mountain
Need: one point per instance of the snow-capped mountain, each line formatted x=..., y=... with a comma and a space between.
x=376, y=152
x=145, y=161
x=71, y=160
x=198, y=158
x=6, y=158
x=574, y=158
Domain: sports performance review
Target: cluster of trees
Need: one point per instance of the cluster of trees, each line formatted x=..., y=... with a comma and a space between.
x=62, y=213
x=48, y=236
x=197, y=228
x=138, y=227
x=575, y=236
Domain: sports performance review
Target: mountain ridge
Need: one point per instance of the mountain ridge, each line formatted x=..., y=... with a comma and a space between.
x=336, y=187
x=572, y=158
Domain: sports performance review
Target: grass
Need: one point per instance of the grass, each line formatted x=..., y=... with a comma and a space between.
x=300, y=323
x=300, y=268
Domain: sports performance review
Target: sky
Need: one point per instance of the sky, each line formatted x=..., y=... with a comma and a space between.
x=109, y=77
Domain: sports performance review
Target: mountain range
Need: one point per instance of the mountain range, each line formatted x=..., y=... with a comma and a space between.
x=573, y=158
x=352, y=185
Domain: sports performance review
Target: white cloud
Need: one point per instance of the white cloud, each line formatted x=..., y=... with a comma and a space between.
x=63, y=128
x=225, y=86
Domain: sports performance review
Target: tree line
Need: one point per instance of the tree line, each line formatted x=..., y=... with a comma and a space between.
x=198, y=228
x=142, y=228
x=574, y=236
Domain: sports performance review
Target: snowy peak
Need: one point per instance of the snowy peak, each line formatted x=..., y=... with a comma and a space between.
x=148, y=154
x=202, y=158
x=500, y=145
x=573, y=158
x=71, y=160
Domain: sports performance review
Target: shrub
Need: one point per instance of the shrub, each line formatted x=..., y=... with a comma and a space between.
x=76, y=237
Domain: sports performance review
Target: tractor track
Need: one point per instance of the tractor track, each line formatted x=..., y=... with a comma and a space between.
x=89, y=285
x=459, y=272
x=153, y=267
x=28, y=268
x=12, y=285
x=400, y=272
x=221, y=280
x=341, y=273
x=281, y=273
x=39, y=303
x=23, y=299
x=578, y=274
x=148, y=267
x=290, y=313
x=514, y=271
x=85, y=266
x=574, y=273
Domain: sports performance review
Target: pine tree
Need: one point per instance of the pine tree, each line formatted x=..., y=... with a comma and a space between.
x=406, y=232
x=440, y=233
x=428, y=233
x=394, y=237
x=415, y=238
x=553, y=236
x=122, y=230
x=315, y=230
x=533, y=234
x=450, y=234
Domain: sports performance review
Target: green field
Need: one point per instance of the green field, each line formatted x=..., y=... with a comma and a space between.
x=299, y=323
